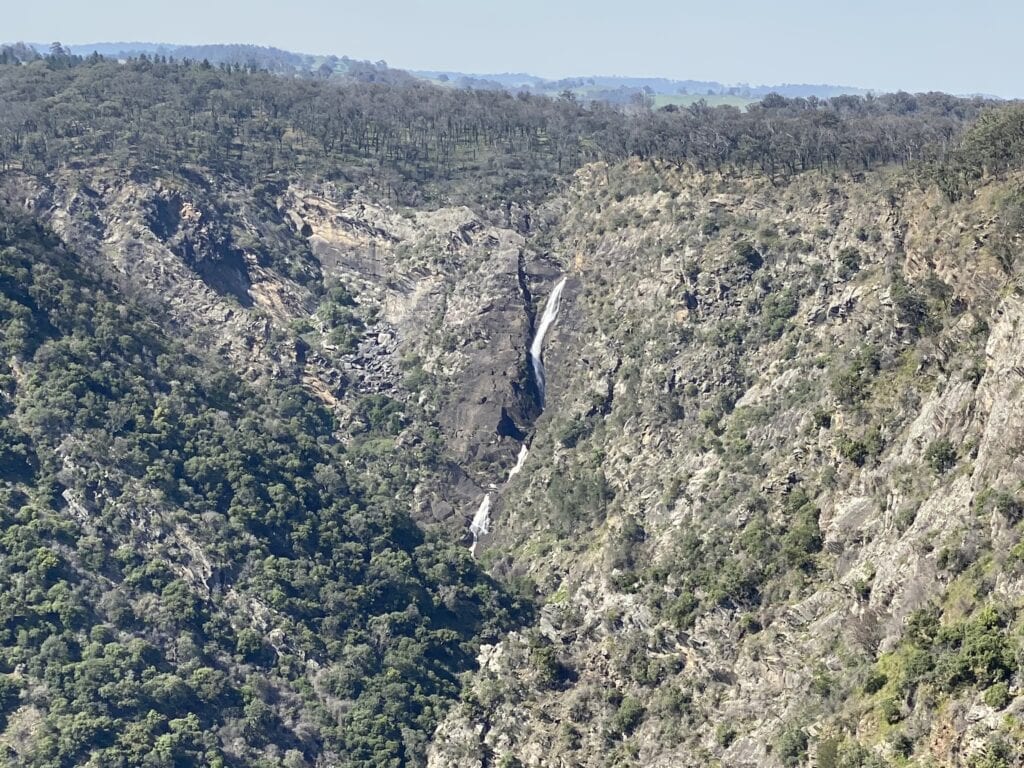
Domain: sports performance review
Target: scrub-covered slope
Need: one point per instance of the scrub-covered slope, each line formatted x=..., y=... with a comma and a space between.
x=772, y=509
x=200, y=570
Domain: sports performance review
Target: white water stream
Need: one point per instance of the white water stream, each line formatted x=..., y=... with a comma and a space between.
x=523, y=453
x=537, y=348
x=481, y=523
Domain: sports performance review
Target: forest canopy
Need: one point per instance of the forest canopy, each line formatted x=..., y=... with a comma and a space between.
x=416, y=141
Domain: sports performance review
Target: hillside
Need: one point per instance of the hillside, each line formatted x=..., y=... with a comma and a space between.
x=772, y=510
x=611, y=89
x=267, y=361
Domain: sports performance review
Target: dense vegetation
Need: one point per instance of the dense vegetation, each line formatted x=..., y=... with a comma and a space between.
x=419, y=142
x=119, y=648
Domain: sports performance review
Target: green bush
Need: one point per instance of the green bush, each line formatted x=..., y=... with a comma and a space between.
x=791, y=747
x=725, y=734
x=1009, y=506
x=911, y=306
x=576, y=430
x=10, y=689
x=875, y=682
x=828, y=753
x=890, y=711
x=852, y=383
x=994, y=753
x=552, y=672
x=941, y=455
x=776, y=310
x=849, y=262
x=998, y=696
x=901, y=744
x=628, y=716
x=853, y=450
x=748, y=255
x=803, y=535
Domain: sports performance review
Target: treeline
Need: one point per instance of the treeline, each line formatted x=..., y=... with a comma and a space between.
x=782, y=137
x=994, y=144
x=417, y=141
x=18, y=53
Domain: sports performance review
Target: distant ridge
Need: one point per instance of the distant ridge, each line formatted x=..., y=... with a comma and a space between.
x=619, y=89
x=274, y=60
x=656, y=91
x=654, y=84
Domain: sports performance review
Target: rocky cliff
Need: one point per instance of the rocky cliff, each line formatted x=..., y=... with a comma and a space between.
x=770, y=511
x=782, y=429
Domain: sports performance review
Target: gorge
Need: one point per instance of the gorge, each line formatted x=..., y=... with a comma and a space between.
x=480, y=525
x=750, y=497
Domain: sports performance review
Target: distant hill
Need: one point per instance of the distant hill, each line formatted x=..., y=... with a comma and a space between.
x=656, y=91
x=625, y=90
x=273, y=60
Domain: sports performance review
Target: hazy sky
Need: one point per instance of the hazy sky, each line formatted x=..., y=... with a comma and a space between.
x=950, y=45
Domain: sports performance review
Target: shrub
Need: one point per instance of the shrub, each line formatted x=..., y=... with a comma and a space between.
x=890, y=711
x=995, y=753
x=803, y=539
x=725, y=734
x=851, y=384
x=902, y=745
x=1009, y=506
x=682, y=611
x=577, y=429
x=854, y=450
x=628, y=717
x=749, y=255
x=776, y=311
x=828, y=753
x=10, y=689
x=792, y=747
x=941, y=455
x=997, y=696
x=550, y=669
x=875, y=682
x=911, y=308
x=849, y=262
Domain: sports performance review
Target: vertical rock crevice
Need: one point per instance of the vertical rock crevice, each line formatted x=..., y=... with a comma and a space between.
x=531, y=321
x=481, y=523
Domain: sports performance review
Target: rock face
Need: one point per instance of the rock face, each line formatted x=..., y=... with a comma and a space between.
x=457, y=293
x=778, y=420
x=779, y=423
x=442, y=292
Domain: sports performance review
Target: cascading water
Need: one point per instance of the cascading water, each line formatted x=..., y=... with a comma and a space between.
x=537, y=348
x=520, y=460
x=481, y=523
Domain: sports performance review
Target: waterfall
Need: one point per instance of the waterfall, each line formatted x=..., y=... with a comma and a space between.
x=481, y=523
x=523, y=453
x=537, y=348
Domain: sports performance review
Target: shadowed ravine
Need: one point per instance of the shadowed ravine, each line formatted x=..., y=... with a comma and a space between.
x=481, y=523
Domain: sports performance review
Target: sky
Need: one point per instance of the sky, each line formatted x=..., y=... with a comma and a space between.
x=950, y=45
